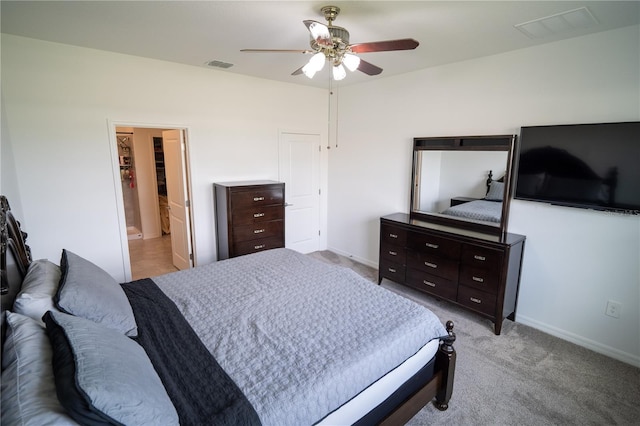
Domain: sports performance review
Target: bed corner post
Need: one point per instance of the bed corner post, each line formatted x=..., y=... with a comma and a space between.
x=446, y=363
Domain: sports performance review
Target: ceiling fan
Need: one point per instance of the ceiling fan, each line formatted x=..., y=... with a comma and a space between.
x=330, y=43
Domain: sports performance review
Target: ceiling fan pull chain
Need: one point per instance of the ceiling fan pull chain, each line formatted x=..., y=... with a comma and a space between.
x=329, y=114
x=337, y=112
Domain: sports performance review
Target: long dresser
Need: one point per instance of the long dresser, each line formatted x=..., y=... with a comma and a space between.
x=478, y=271
x=249, y=217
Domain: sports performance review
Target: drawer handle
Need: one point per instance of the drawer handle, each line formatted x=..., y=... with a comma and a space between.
x=258, y=231
x=393, y=253
x=473, y=299
x=433, y=246
x=258, y=247
x=258, y=198
x=429, y=283
x=478, y=257
x=393, y=235
x=258, y=214
x=392, y=270
x=430, y=265
x=478, y=279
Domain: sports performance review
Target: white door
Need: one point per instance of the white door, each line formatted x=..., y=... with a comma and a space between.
x=300, y=172
x=174, y=162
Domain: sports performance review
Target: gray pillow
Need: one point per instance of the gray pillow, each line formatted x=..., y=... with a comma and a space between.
x=103, y=377
x=496, y=191
x=28, y=391
x=38, y=289
x=89, y=292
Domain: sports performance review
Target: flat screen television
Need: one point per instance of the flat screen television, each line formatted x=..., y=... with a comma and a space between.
x=593, y=166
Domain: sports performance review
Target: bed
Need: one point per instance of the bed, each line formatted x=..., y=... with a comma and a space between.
x=488, y=209
x=273, y=338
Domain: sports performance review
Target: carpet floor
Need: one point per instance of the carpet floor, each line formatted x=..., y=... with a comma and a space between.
x=523, y=376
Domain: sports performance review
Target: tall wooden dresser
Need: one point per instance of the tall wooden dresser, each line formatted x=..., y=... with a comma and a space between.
x=477, y=271
x=249, y=217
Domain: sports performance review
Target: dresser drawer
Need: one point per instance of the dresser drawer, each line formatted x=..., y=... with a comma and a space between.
x=393, y=271
x=477, y=300
x=393, y=254
x=257, y=214
x=393, y=235
x=432, y=284
x=481, y=278
x=433, y=244
x=247, y=247
x=481, y=257
x=433, y=265
x=257, y=197
x=274, y=228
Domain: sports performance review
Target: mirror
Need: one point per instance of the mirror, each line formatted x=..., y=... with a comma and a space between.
x=463, y=182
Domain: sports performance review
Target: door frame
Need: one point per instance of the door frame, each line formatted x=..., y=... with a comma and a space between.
x=119, y=201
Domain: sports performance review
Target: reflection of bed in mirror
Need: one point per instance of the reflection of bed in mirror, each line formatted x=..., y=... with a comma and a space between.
x=486, y=209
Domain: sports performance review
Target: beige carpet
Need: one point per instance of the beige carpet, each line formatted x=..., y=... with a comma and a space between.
x=523, y=376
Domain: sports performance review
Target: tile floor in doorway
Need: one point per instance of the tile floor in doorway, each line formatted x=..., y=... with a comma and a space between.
x=150, y=258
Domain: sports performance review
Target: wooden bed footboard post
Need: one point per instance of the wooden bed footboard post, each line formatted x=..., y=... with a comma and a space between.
x=445, y=363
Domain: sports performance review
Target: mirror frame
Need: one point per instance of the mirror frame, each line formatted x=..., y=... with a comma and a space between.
x=505, y=143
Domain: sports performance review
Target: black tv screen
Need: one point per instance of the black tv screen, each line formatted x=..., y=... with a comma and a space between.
x=594, y=166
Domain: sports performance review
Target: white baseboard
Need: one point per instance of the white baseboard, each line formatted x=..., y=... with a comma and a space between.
x=356, y=258
x=582, y=341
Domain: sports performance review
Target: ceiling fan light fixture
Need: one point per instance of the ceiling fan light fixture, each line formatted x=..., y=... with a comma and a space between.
x=330, y=43
x=309, y=70
x=317, y=61
x=338, y=72
x=351, y=61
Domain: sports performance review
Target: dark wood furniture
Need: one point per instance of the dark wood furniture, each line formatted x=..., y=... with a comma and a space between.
x=478, y=271
x=249, y=217
x=15, y=258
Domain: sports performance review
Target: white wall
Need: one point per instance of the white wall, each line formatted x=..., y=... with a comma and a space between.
x=60, y=107
x=575, y=260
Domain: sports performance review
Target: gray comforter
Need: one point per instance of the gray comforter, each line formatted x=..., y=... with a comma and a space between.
x=299, y=337
x=489, y=211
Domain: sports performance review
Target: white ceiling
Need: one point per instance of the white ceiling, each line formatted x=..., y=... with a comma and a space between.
x=196, y=32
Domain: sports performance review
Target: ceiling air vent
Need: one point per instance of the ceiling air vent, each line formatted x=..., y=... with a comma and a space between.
x=558, y=23
x=218, y=64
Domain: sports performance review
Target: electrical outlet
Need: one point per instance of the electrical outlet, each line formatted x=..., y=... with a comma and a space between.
x=613, y=309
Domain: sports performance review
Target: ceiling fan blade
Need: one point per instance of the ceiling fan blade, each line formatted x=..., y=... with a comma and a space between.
x=276, y=51
x=384, y=46
x=320, y=33
x=368, y=68
x=298, y=71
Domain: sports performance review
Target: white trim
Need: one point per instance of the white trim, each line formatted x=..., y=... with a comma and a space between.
x=355, y=258
x=581, y=341
x=122, y=222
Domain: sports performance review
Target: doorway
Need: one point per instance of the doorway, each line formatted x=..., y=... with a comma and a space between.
x=153, y=166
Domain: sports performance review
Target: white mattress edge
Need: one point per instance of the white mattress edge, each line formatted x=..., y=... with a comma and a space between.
x=380, y=390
